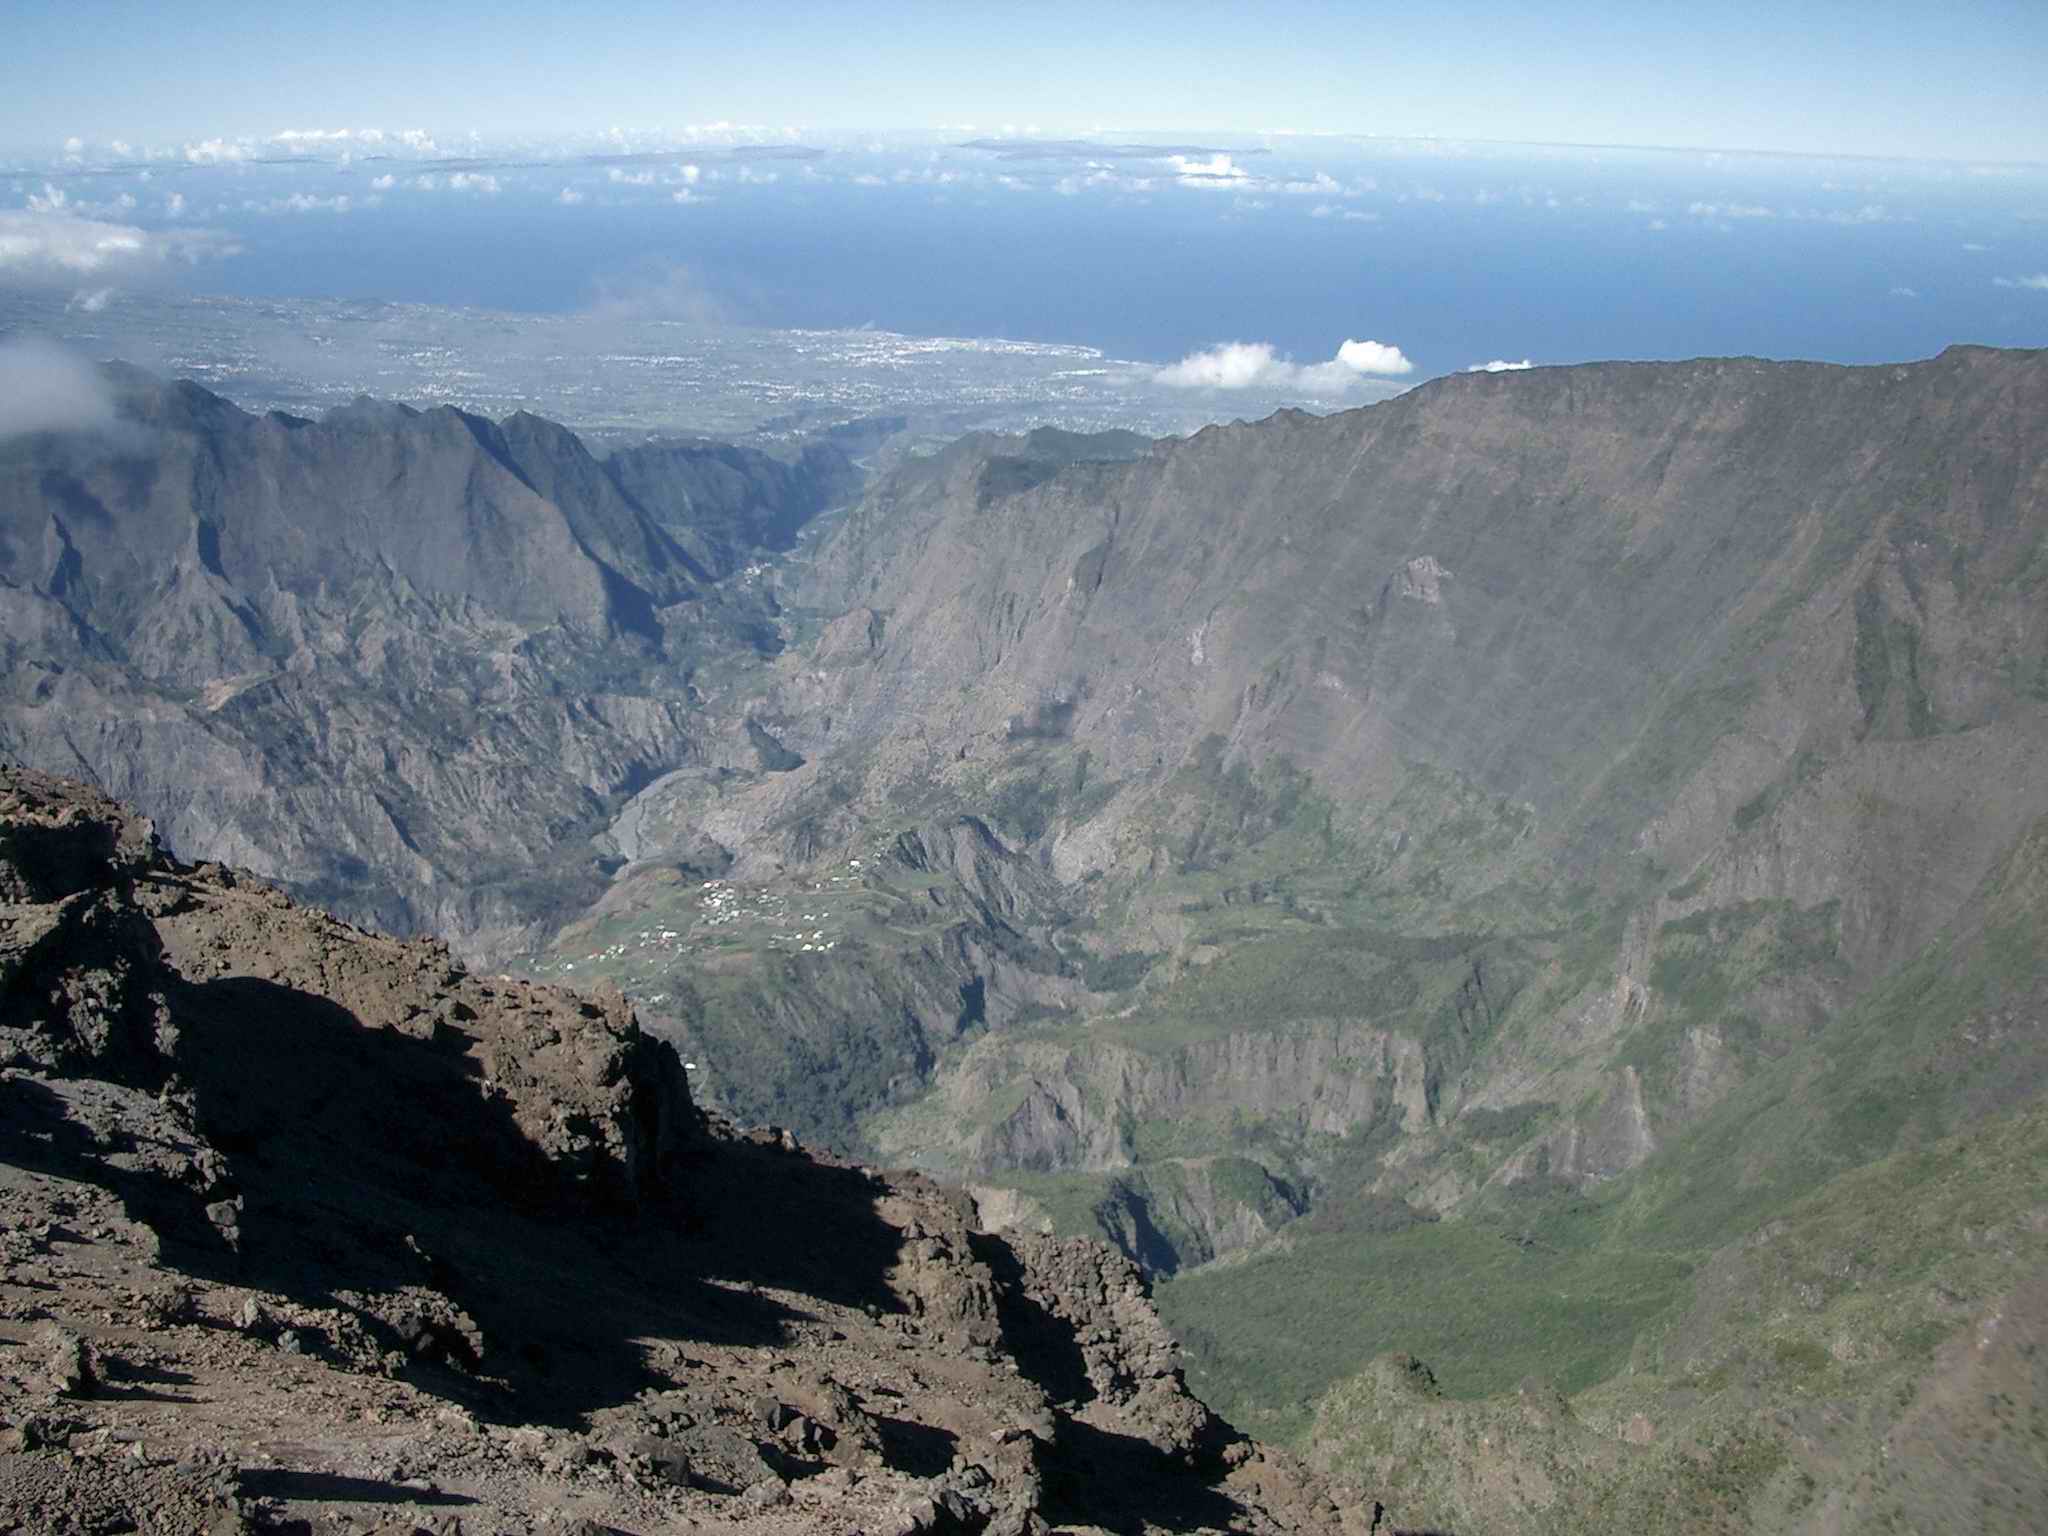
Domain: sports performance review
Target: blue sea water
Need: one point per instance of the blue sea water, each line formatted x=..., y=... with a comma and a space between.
x=1457, y=255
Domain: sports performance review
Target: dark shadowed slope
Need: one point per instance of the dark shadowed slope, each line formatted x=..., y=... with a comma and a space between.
x=305, y=1226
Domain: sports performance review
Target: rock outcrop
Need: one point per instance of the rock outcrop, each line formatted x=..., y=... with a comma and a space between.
x=302, y=1223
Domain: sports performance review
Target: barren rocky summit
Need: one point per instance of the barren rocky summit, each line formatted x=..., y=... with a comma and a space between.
x=306, y=1228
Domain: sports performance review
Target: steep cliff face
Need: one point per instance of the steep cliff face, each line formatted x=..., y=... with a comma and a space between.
x=1744, y=630
x=1013, y=1102
x=1515, y=581
x=186, y=545
x=403, y=660
x=736, y=503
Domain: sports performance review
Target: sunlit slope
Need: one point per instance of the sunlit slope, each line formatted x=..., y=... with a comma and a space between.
x=1510, y=848
x=1596, y=730
x=1890, y=1163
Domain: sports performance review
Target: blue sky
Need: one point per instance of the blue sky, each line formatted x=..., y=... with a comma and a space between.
x=1875, y=77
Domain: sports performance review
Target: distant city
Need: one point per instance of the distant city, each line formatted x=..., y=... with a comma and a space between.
x=617, y=380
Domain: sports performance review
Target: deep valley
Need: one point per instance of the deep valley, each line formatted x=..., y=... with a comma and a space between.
x=1519, y=908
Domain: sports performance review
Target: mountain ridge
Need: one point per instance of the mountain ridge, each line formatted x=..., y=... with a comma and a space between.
x=308, y=1225
x=1542, y=828
x=272, y=610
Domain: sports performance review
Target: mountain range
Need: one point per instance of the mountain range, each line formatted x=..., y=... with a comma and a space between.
x=1542, y=876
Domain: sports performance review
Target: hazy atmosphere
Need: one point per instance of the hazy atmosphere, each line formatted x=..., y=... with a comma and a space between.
x=1844, y=183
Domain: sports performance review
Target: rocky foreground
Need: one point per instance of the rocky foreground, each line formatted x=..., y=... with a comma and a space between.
x=305, y=1228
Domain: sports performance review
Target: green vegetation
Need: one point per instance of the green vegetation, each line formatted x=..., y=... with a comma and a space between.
x=1843, y=1298
x=1116, y=973
x=1806, y=767
x=1023, y=807
x=1484, y=1302
x=1719, y=967
x=1855, y=1149
x=1888, y=656
x=1510, y=1125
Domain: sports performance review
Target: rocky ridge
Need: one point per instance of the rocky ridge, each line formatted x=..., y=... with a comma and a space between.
x=308, y=1228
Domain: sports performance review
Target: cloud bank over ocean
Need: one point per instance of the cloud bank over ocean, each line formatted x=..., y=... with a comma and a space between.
x=1257, y=365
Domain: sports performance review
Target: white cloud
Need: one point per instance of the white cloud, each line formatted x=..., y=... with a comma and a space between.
x=383, y=183
x=656, y=291
x=58, y=249
x=2037, y=281
x=304, y=202
x=74, y=147
x=1903, y=292
x=569, y=197
x=1730, y=211
x=1218, y=170
x=1500, y=365
x=174, y=206
x=1974, y=248
x=90, y=300
x=423, y=183
x=473, y=181
x=217, y=151
x=1233, y=365
x=869, y=179
x=298, y=140
x=1255, y=365
x=1322, y=184
x=689, y=173
x=44, y=388
x=54, y=200
x=1373, y=357
x=1656, y=224
x=619, y=178
x=122, y=149
x=305, y=138
x=682, y=195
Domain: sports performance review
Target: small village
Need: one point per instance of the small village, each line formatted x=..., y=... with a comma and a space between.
x=721, y=914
